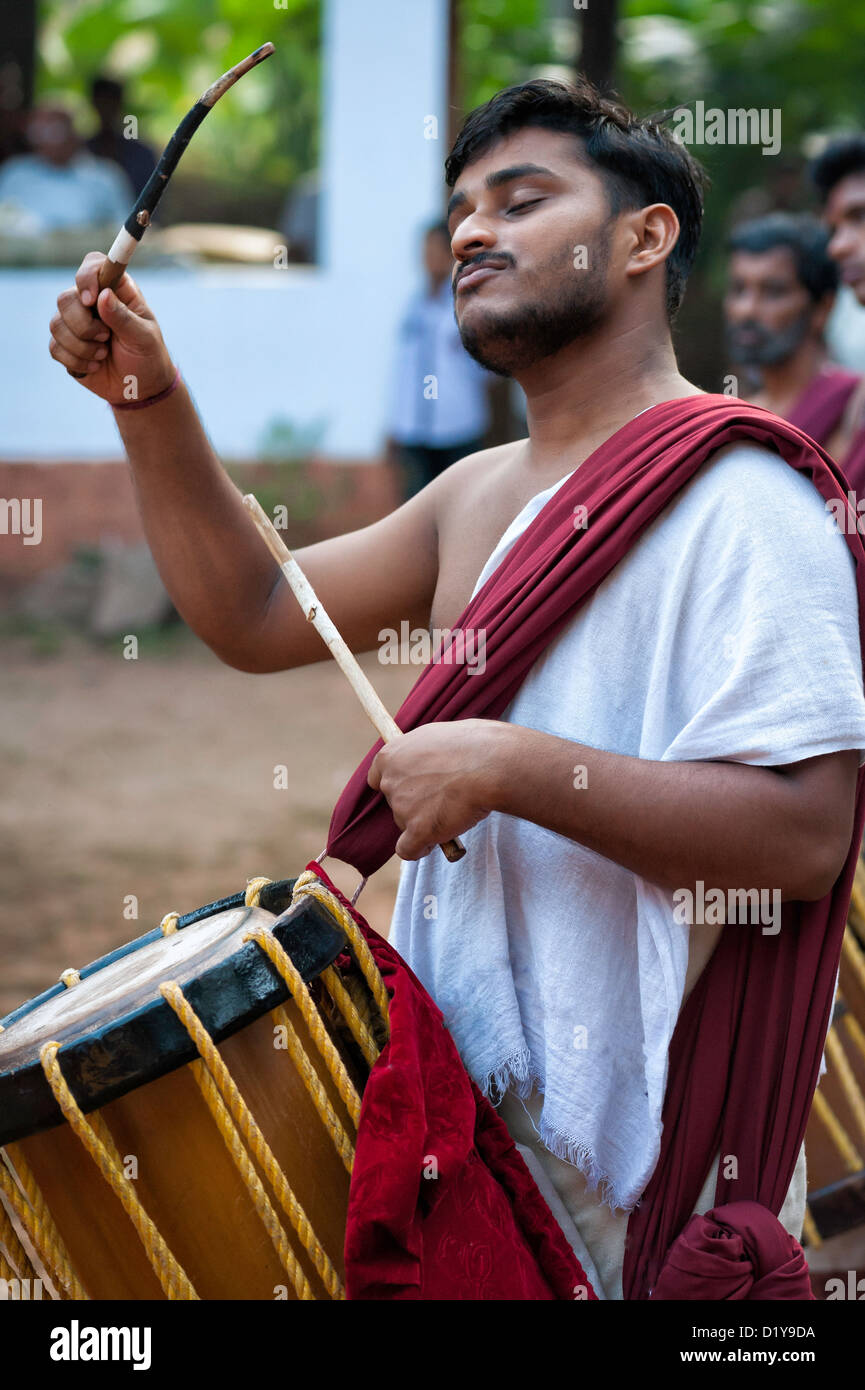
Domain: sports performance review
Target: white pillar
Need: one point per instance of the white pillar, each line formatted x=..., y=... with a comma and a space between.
x=385, y=92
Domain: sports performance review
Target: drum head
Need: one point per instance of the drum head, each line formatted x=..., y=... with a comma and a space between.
x=117, y=1032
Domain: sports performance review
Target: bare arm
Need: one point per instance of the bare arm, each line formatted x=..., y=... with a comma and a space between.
x=214, y=565
x=727, y=823
x=221, y=576
x=730, y=824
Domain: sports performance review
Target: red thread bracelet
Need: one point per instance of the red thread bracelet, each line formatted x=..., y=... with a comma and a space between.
x=150, y=400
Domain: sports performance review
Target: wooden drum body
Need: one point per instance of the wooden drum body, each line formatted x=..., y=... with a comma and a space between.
x=184, y=1170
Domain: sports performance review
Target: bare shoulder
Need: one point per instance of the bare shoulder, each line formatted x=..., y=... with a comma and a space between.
x=471, y=479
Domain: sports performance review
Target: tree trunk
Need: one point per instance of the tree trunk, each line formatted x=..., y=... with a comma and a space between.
x=598, y=50
x=454, y=75
x=17, y=68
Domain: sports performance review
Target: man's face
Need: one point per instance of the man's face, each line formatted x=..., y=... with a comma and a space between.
x=52, y=135
x=768, y=311
x=108, y=106
x=844, y=215
x=531, y=234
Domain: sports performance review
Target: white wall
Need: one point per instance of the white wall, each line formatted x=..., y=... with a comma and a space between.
x=301, y=343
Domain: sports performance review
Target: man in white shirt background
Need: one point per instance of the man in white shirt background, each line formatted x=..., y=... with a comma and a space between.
x=439, y=408
x=60, y=184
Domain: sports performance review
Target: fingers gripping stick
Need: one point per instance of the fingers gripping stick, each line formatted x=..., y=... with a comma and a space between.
x=110, y=274
x=387, y=727
x=118, y=258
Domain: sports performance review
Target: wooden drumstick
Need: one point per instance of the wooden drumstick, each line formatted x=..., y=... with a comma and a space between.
x=386, y=725
x=112, y=269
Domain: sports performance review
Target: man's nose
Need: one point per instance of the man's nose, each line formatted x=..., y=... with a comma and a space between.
x=474, y=234
x=840, y=244
x=741, y=307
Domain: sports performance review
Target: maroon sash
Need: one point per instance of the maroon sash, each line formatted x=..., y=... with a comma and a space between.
x=820, y=408
x=853, y=464
x=746, y=1050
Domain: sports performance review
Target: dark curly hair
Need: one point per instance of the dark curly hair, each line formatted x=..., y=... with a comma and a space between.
x=841, y=157
x=641, y=162
x=805, y=237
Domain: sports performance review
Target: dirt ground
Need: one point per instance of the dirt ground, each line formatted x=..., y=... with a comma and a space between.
x=155, y=778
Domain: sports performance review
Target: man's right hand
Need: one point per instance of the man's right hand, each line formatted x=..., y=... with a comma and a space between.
x=120, y=355
x=223, y=581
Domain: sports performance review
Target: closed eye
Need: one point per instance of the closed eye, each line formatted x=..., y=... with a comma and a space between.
x=530, y=203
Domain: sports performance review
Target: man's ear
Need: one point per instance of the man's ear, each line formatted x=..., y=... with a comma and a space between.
x=654, y=231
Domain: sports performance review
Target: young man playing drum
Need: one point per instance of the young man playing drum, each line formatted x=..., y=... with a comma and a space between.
x=693, y=725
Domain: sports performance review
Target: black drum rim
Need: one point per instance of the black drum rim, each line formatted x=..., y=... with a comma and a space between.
x=118, y=1057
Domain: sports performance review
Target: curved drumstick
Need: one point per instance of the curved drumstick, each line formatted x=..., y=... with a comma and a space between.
x=387, y=727
x=123, y=247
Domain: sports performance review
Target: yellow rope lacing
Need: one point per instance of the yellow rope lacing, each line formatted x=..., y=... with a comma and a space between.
x=310, y=885
x=317, y=1093
x=854, y=1032
x=837, y=1133
x=6, y=1270
x=346, y=1005
x=13, y=1249
x=227, y=1104
x=857, y=892
x=809, y=1230
x=39, y=1224
x=174, y=1282
x=346, y=1089
x=837, y=1056
x=252, y=894
x=851, y=952
x=227, y=1107
x=65, y=1277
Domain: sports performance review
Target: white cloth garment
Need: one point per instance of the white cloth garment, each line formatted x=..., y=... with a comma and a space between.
x=595, y=1233
x=729, y=631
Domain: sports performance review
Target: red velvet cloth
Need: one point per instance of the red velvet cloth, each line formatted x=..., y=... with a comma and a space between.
x=746, y=1050
x=441, y=1205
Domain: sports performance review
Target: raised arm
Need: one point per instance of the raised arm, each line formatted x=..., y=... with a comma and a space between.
x=213, y=563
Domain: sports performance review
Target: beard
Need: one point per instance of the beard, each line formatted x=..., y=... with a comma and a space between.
x=767, y=348
x=509, y=340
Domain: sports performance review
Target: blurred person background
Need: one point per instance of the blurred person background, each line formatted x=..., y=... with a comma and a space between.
x=439, y=409
x=113, y=140
x=59, y=183
x=781, y=289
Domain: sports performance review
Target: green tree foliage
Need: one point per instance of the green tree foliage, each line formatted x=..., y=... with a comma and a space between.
x=263, y=134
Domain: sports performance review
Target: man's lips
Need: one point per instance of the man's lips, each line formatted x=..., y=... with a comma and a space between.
x=476, y=275
x=852, y=274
